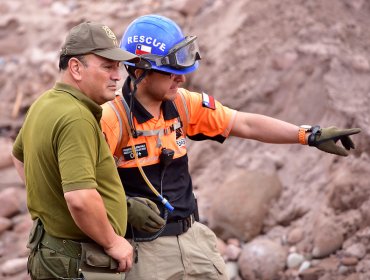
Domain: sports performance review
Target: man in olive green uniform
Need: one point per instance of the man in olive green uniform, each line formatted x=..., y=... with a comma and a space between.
x=74, y=193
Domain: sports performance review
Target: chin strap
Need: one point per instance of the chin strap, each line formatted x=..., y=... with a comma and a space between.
x=135, y=82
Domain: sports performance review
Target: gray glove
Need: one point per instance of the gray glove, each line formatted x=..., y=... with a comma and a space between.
x=325, y=139
x=143, y=214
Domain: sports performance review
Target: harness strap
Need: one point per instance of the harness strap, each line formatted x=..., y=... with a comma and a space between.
x=183, y=112
x=124, y=111
x=121, y=135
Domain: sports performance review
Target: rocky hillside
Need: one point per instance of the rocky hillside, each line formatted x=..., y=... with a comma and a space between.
x=280, y=211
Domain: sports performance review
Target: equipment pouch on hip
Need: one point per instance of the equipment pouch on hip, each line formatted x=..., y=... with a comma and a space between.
x=36, y=233
x=97, y=265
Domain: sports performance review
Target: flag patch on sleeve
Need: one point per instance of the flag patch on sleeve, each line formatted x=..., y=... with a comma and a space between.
x=208, y=101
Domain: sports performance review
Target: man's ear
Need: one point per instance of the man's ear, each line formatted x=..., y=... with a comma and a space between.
x=75, y=67
x=138, y=72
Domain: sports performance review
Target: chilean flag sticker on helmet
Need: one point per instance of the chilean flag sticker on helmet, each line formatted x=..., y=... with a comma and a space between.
x=142, y=49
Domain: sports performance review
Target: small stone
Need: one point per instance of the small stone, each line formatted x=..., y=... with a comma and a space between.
x=313, y=273
x=10, y=202
x=305, y=265
x=4, y=224
x=284, y=61
x=233, y=241
x=294, y=260
x=232, y=252
x=295, y=236
x=348, y=261
x=232, y=270
x=360, y=63
x=327, y=240
x=14, y=266
x=343, y=269
x=357, y=250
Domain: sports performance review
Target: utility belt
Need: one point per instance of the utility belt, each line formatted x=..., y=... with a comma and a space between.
x=93, y=262
x=66, y=247
x=172, y=228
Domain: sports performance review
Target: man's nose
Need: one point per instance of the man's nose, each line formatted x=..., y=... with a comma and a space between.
x=116, y=74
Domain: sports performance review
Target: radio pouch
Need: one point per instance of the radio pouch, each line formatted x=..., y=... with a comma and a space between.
x=97, y=265
x=36, y=233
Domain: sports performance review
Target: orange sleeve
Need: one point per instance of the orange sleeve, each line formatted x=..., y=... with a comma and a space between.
x=206, y=123
x=110, y=126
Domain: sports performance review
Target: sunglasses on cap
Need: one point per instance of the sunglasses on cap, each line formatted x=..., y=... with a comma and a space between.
x=182, y=55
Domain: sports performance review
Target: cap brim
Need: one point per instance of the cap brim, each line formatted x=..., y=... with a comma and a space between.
x=117, y=54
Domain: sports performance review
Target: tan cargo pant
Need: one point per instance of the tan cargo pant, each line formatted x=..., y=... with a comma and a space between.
x=192, y=255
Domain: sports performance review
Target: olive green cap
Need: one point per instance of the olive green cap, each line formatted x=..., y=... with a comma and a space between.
x=96, y=38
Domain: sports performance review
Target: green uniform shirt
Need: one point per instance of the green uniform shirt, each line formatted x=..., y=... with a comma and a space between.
x=63, y=149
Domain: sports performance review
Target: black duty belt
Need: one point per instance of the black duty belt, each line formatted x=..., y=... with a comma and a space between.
x=172, y=228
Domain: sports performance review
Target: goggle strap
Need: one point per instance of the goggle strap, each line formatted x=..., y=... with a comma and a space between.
x=155, y=58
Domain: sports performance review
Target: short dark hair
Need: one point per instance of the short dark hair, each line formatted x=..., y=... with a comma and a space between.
x=64, y=59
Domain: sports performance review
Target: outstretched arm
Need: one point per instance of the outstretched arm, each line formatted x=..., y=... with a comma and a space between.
x=264, y=129
x=270, y=130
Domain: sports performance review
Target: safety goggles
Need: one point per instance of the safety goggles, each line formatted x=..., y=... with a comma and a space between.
x=182, y=55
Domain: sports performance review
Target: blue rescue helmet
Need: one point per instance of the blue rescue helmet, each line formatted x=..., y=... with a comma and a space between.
x=160, y=41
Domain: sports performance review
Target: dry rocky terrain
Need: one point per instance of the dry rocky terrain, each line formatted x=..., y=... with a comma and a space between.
x=284, y=212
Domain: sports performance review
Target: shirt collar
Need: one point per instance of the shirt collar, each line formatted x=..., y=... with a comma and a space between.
x=95, y=108
x=140, y=113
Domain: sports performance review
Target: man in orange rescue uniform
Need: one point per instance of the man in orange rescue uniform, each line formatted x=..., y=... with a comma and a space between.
x=155, y=115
